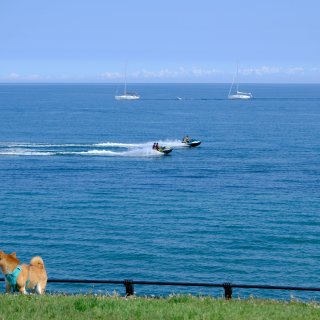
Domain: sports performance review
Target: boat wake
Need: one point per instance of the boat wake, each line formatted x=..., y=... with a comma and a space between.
x=104, y=149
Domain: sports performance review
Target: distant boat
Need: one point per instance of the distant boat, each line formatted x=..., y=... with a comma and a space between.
x=238, y=94
x=127, y=95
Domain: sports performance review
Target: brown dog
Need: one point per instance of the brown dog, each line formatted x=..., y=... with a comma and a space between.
x=19, y=277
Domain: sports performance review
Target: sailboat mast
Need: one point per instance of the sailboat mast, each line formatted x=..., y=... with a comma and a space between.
x=231, y=84
x=237, y=78
x=125, y=80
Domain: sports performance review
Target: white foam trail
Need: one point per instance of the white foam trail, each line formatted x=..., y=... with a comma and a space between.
x=116, y=145
x=98, y=153
x=23, y=152
x=132, y=153
x=172, y=143
x=103, y=153
x=141, y=152
x=168, y=143
x=42, y=145
x=144, y=152
x=99, y=149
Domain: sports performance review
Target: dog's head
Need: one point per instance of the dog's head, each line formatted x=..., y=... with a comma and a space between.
x=8, y=261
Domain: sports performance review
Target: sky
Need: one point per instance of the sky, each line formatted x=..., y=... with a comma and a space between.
x=159, y=41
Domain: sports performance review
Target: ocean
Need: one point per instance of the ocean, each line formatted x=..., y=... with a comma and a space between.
x=81, y=186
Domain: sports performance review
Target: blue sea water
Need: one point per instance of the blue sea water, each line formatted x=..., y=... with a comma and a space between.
x=80, y=185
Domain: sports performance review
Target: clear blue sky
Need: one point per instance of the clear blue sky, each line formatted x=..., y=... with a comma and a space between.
x=160, y=41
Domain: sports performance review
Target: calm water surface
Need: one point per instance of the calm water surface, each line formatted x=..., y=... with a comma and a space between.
x=81, y=187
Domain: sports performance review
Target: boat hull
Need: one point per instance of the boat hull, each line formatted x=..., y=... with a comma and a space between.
x=193, y=143
x=165, y=150
x=127, y=97
x=238, y=97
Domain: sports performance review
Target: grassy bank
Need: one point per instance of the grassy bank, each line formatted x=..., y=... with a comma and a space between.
x=177, y=307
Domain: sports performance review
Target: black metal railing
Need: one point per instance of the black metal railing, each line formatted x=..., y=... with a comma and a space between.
x=227, y=286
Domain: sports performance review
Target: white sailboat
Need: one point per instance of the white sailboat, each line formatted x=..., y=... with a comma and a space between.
x=127, y=95
x=238, y=94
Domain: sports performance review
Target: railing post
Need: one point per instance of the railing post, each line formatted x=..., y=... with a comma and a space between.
x=227, y=290
x=129, y=287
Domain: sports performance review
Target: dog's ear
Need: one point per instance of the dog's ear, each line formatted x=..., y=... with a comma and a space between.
x=13, y=254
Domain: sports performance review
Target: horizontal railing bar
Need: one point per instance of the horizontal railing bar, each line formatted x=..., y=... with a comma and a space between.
x=86, y=281
x=184, y=284
x=249, y=286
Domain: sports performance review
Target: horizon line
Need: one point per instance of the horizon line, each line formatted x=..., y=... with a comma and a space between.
x=151, y=83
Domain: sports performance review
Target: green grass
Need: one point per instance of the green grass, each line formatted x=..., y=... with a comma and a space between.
x=31, y=307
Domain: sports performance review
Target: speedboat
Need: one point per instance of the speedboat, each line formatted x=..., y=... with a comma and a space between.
x=191, y=142
x=164, y=150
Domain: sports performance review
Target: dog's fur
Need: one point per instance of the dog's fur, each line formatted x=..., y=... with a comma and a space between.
x=35, y=273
